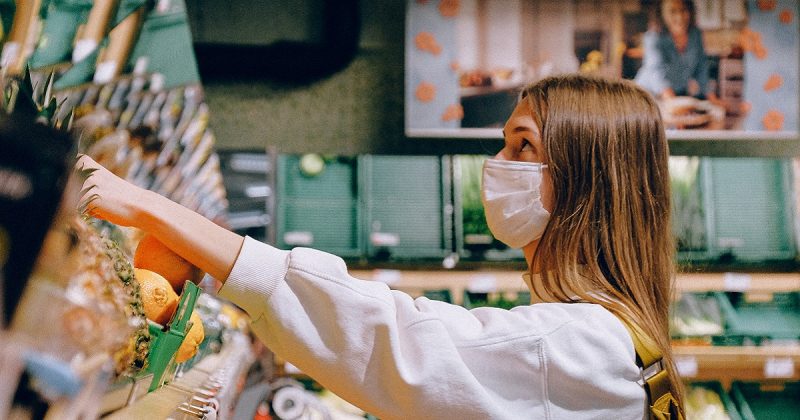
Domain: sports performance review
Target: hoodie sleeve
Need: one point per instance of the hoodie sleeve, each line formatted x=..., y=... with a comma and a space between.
x=402, y=358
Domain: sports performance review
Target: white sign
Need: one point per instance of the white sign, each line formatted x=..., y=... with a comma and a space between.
x=779, y=367
x=686, y=366
x=737, y=282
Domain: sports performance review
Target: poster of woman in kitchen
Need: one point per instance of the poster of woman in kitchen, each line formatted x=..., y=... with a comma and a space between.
x=711, y=64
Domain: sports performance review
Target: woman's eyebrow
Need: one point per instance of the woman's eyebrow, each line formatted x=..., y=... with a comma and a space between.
x=521, y=128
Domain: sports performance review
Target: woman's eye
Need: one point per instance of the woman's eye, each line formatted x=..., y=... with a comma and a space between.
x=526, y=146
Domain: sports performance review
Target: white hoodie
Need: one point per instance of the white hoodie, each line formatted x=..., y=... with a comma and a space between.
x=403, y=358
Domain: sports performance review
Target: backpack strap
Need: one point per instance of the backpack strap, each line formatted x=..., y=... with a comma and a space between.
x=655, y=378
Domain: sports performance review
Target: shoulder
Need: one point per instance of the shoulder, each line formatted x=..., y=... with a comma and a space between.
x=591, y=360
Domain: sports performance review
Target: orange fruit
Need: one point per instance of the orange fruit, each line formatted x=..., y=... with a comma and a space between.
x=158, y=298
x=153, y=255
x=192, y=341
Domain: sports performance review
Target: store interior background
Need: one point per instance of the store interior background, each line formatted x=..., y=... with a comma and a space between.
x=358, y=109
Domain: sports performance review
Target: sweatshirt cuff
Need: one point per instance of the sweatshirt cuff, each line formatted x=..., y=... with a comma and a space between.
x=257, y=272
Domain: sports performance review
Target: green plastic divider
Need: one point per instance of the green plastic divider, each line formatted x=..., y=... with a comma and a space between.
x=320, y=211
x=166, y=42
x=63, y=17
x=752, y=217
x=166, y=340
x=760, y=322
x=407, y=206
x=473, y=239
x=443, y=295
x=756, y=401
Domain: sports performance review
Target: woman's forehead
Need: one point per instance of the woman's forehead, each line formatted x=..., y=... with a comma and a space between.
x=521, y=118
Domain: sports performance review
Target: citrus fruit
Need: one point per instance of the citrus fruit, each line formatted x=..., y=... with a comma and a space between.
x=158, y=298
x=151, y=254
x=192, y=341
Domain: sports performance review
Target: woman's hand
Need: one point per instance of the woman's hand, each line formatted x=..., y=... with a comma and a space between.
x=203, y=243
x=109, y=197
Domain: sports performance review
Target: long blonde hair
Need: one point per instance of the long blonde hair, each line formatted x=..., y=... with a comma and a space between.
x=609, y=239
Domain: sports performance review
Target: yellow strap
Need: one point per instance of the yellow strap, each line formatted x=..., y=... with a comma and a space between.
x=647, y=351
x=660, y=398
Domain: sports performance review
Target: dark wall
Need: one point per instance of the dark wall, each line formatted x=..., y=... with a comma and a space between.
x=356, y=110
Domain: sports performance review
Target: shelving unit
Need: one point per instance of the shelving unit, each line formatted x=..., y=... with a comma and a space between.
x=210, y=385
x=748, y=363
x=695, y=362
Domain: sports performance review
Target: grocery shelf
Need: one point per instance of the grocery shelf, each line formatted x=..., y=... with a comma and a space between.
x=733, y=363
x=738, y=282
x=415, y=281
x=211, y=384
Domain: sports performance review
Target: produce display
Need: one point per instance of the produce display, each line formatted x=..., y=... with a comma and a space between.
x=160, y=295
x=703, y=403
x=120, y=78
x=696, y=315
x=106, y=274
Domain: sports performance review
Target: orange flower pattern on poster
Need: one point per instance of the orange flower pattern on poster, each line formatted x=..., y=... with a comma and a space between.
x=750, y=40
x=745, y=107
x=425, y=92
x=775, y=81
x=455, y=66
x=786, y=16
x=425, y=41
x=453, y=112
x=773, y=120
x=766, y=5
x=449, y=8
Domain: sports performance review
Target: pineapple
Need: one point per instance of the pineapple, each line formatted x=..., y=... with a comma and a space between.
x=106, y=275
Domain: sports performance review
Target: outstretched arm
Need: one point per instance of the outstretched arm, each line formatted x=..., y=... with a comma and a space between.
x=208, y=246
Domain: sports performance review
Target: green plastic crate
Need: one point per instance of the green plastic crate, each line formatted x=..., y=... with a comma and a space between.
x=756, y=401
x=166, y=42
x=752, y=218
x=473, y=239
x=760, y=322
x=725, y=399
x=167, y=339
x=407, y=206
x=697, y=317
x=443, y=295
x=63, y=17
x=321, y=211
x=689, y=215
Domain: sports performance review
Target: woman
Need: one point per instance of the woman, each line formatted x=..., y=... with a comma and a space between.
x=581, y=185
x=675, y=62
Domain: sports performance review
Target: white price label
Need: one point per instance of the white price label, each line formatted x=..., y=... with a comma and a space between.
x=737, y=282
x=384, y=239
x=779, y=367
x=686, y=366
x=482, y=283
x=297, y=238
x=387, y=276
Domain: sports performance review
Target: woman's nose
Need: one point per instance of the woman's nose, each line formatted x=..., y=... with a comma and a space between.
x=500, y=155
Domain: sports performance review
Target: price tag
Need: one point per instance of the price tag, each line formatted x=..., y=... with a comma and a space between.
x=736, y=282
x=384, y=239
x=297, y=238
x=779, y=367
x=482, y=283
x=686, y=366
x=387, y=276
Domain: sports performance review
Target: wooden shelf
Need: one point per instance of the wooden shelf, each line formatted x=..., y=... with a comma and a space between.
x=414, y=281
x=727, y=364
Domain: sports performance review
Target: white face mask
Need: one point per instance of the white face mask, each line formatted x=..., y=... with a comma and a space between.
x=512, y=200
